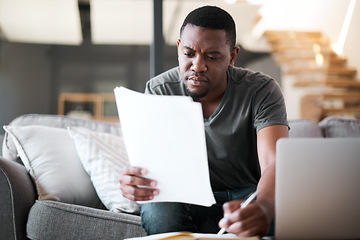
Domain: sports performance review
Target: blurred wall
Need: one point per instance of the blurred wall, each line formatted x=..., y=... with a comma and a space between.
x=25, y=71
x=32, y=76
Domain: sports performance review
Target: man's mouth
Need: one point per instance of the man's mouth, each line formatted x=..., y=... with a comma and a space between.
x=197, y=81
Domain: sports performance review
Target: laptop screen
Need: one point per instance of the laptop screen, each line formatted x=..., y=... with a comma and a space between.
x=318, y=188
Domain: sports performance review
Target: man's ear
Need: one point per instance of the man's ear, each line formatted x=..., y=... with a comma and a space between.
x=233, y=56
x=178, y=47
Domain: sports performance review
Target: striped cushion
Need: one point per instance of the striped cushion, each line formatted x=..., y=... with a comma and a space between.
x=103, y=155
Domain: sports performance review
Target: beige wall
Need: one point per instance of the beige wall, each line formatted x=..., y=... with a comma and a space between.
x=352, y=43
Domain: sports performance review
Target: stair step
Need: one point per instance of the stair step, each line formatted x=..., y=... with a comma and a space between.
x=310, y=63
x=342, y=110
x=309, y=48
x=297, y=52
x=332, y=60
x=298, y=41
x=349, y=112
x=335, y=83
x=318, y=106
x=330, y=79
x=345, y=96
x=350, y=72
x=274, y=34
x=306, y=52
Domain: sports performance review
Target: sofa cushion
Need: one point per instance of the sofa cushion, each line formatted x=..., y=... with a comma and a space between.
x=103, y=156
x=302, y=128
x=340, y=127
x=9, y=149
x=50, y=157
x=56, y=220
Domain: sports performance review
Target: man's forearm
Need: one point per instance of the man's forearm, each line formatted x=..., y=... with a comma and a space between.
x=266, y=188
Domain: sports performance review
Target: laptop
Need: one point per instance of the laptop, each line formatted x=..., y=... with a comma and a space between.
x=317, y=188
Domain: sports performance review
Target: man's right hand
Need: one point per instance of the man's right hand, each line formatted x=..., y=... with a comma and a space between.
x=135, y=186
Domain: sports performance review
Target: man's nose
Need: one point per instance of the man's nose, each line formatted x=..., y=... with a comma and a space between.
x=198, y=64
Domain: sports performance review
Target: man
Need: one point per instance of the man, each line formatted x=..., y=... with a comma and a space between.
x=244, y=116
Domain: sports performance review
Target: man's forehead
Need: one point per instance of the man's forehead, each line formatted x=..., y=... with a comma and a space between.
x=210, y=39
x=210, y=50
x=193, y=28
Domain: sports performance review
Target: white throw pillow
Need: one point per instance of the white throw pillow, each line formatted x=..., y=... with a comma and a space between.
x=103, y=155
x=50, y=156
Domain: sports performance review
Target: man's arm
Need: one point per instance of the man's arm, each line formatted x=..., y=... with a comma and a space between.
x=266, y=142
x=257, y=216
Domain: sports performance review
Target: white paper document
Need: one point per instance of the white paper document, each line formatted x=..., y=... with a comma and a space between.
x=165, y=135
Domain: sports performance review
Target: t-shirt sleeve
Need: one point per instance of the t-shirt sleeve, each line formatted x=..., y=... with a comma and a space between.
x=148, y=89
x=269, y=108
x=166, y=83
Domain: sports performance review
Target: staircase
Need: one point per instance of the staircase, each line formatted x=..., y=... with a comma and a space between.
x=328, y=85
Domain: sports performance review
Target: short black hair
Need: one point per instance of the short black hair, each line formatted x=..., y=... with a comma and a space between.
x=214, y=18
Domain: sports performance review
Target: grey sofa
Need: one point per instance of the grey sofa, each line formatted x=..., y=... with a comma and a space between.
x=23, y=216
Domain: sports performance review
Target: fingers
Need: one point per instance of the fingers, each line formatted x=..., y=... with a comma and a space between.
x=246, y=232
x=135, y=193
x=135, y=186
x=135, y=176
x=244, y=222
x=245, y=225
x=137, y=180
x=230, y=207
x=130, y=170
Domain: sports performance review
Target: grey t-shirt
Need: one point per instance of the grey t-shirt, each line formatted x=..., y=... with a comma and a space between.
x=252, y=101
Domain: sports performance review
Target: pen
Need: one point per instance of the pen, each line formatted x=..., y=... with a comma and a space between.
x=242, y=205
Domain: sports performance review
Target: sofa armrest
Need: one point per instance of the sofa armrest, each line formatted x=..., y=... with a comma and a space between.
x=17, y=195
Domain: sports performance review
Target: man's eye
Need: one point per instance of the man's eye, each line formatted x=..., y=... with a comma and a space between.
x=189, y=54
x=212, y=58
